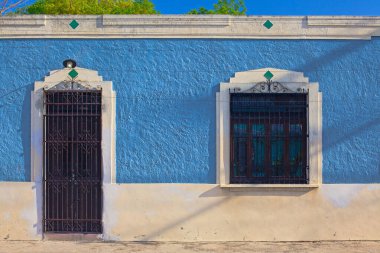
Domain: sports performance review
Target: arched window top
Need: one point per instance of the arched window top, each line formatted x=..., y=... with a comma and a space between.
x=268, y=80
x=279, y=75
x=72, y=78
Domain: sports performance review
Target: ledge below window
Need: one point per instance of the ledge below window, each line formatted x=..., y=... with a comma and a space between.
x=268, y=186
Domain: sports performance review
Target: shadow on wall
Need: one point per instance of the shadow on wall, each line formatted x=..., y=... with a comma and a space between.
x=25, y=132
x=334, y=136
x=212, y=142
x=38, y=188
x=19, y=94
x=360, y=172
x=332, y=55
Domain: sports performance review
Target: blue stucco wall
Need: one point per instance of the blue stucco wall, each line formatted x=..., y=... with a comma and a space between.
x=166, y=100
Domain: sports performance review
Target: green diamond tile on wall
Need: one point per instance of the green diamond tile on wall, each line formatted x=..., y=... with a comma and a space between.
x=74, y=24
x=73, y=73
x=268, y=75
x=268, y=24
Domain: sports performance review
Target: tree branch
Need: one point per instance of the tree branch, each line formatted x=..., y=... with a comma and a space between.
x=4, y=4
x=5, y=8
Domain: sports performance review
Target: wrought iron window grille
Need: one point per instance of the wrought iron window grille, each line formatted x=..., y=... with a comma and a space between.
x=269, y=135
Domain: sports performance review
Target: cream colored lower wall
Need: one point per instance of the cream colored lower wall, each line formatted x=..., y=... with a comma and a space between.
x=208, y=213
x=18, y=211
x=203, y=212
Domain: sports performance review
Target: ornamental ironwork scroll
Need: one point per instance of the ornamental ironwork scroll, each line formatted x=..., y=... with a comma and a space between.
x=269, y=87
x=71, y=85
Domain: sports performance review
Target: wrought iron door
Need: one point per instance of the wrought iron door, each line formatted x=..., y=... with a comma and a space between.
x=72, y=161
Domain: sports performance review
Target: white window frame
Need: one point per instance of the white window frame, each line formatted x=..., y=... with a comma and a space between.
x=253, y=81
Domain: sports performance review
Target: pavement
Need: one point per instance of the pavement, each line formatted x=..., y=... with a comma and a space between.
x=185, y=247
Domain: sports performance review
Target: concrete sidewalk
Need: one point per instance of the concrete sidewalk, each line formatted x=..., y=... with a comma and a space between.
x=176, y=247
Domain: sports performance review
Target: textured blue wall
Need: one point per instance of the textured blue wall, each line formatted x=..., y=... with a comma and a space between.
x=166, y=100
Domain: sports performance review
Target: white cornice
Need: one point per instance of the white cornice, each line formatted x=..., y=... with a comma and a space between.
x=190, y=26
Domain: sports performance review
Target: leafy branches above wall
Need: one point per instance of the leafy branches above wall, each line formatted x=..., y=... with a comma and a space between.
x=90, y=7
x=99, y=7
x=227, y=7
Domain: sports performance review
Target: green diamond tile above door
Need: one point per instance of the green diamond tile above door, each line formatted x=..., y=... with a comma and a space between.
x=268, y=24
x=73, y=73
x=74, y=24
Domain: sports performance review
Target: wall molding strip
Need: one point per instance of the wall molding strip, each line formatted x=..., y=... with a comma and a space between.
x=189, y=26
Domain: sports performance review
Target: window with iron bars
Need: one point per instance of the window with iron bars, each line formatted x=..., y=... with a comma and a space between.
x=268, y=138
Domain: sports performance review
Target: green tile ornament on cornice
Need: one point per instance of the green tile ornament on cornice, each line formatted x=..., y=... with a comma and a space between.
x=268, y=24
x=74, y=24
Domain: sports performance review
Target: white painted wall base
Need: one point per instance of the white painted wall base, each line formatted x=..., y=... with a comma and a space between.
x=205, y=212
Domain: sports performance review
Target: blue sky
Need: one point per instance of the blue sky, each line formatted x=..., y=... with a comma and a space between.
x=279, y=7
x=282, y=7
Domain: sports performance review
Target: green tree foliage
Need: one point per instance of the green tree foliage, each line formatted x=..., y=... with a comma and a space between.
x=227, y=7
x=90, y=7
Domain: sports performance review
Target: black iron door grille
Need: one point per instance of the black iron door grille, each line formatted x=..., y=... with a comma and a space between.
x=72, y=162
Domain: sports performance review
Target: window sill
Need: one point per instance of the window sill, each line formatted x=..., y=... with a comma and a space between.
x=268, y=186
